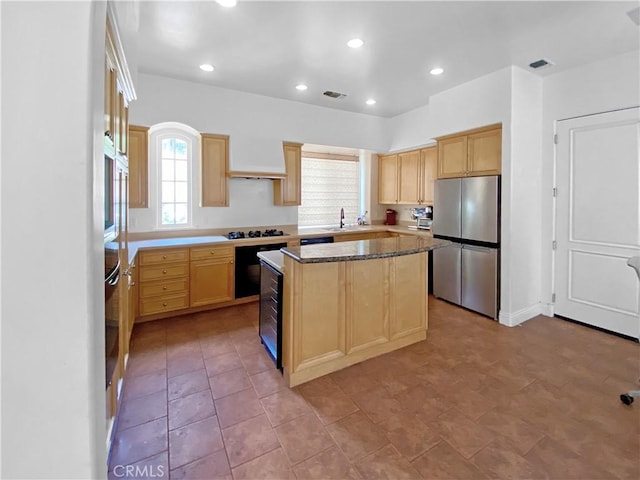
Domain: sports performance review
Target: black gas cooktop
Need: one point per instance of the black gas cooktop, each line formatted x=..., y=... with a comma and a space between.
x=269, y=232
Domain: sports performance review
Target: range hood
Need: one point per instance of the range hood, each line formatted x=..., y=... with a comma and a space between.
x=256, y=157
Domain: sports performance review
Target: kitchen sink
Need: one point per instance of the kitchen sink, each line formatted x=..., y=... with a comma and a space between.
x=350, y=228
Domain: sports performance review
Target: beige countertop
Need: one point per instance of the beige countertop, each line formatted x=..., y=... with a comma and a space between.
x=363, y=249
x=204, y=237
x=275, y=258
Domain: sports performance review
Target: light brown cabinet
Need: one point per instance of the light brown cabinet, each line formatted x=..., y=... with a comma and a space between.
x=138, y=166
x=428, y=174
x=287, y=191
x=164, y=280
x=211, y=275
x=473, y=153
x=350, y=237
x=116, y=106
x=341, y=313
x=387, y=179
x=214, y=168
x=407, y=178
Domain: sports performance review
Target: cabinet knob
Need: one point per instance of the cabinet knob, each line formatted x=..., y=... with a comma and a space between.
x=133, y=284
x=164, y=304
x=164, y=288
x=164, y=257
x=212, y=252
x=164, y=271
x=230, y=261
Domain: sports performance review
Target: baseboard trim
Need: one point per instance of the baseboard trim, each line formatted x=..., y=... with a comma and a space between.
x=547, y=309
x=521, y=316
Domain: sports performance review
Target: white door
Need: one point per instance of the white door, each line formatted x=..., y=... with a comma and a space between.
x=598, y=220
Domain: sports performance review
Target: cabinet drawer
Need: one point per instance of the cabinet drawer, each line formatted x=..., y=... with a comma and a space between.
x=154, y=257
x=149, y=306
x=169, y=287
x=168, y=271
x=204, y=253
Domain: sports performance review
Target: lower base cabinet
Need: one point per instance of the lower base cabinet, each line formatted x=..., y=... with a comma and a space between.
x=211, y=281
x=336, y=314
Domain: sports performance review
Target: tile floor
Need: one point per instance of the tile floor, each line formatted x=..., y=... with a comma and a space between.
x=203, y=400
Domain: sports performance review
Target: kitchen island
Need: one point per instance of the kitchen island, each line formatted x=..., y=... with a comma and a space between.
x=350, y=301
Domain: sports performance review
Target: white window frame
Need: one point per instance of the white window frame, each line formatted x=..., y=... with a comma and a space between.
x=328, y=157
x=185, y=133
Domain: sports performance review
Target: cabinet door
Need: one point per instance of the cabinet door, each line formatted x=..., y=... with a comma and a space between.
x=287, y=190
x=109, y=87
x=409, y=177
x=407, y=295
x=211, y=281
x=452, y=157
x=485, y=152
x=138, y=167
x=213, y=171
x=428, y=174
x=124, y=125
x=388, y=179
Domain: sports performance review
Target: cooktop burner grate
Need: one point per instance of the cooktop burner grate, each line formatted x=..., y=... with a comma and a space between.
x=269, y=232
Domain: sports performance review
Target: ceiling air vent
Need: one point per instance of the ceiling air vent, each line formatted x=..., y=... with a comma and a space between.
x=331, y=94
x=540, y=63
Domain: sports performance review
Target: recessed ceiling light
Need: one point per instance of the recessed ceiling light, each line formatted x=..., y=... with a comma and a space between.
x=206, y=67
x=302, y=87
x=371, y=101
x=227, y=3
x=436, y=71
x=355, y=43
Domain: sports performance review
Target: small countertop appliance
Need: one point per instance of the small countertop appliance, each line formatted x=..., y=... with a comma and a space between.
x=391, y=217
x=423, y=217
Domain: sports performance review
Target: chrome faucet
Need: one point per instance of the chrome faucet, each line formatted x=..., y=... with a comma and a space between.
x=342, y=218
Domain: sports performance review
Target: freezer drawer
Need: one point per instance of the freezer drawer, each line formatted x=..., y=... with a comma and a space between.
x=480, y=279
x=446, y=273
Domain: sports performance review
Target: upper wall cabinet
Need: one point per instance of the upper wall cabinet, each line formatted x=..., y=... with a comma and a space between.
x=407, y=177
x=214, y=168
x=472, y=153
x=138, y=153
x=387, y=179
x=287, y=191
x=428, y=170
x=118, y=93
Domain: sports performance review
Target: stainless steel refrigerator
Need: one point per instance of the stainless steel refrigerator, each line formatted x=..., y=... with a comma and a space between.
x=467, y=212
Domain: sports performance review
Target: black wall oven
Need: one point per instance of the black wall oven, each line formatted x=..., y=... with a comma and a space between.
x=248, y=268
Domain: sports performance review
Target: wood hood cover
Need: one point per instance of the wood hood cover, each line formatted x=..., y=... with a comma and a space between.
x=255, y=157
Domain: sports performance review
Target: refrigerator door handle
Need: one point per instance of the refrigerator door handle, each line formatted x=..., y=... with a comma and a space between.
x=478, y=248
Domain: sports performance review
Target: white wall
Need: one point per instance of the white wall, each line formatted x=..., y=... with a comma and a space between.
x=520, y=262
x=598, y=87
x=250, y=121
x=483, y=101
x=53, y=405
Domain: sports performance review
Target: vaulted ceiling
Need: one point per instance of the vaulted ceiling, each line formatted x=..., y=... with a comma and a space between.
x=268, y=48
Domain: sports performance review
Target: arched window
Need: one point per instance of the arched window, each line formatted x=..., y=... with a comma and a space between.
x=173, y=147
x=174, y=180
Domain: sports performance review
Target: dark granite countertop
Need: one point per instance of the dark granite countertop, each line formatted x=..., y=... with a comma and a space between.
x=363, y=249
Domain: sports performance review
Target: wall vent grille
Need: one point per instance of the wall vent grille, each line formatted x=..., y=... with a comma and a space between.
x=336, y=95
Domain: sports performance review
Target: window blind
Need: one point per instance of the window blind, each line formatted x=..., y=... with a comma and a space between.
x=327, y=186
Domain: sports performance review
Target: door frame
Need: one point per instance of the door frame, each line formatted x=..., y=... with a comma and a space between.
x=554, y=219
